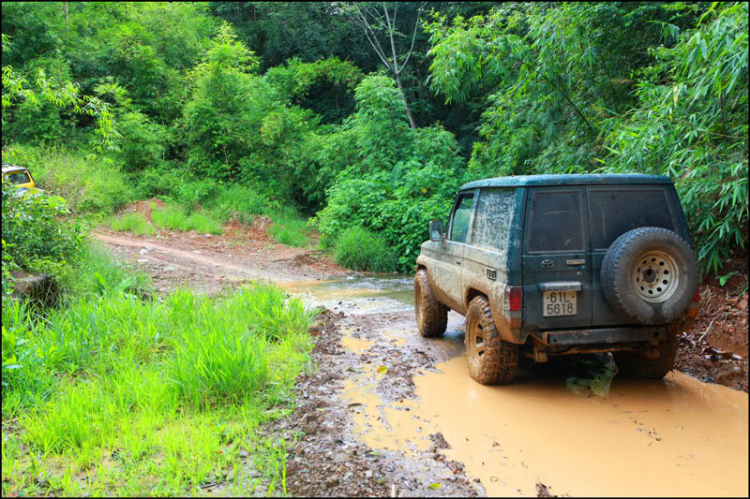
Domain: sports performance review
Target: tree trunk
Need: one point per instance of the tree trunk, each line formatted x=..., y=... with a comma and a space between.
x=406, y=102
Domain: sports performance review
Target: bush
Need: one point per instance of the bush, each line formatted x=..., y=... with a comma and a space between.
x=359, y=249
x=133, y=222
x=35, y=236
x=89, y=183
x=396, y=205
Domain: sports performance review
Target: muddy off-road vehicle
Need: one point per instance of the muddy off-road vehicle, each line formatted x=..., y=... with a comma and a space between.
x=548, y=265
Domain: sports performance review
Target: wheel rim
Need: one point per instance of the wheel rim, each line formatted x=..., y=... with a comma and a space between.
x=476, y=340
x=655, y=276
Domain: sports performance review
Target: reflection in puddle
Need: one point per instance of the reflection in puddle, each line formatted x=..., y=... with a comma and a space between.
x=678, y=437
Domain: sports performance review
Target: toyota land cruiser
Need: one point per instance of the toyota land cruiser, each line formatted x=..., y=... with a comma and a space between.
x=547, y=265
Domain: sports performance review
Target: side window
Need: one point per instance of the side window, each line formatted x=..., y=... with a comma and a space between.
x=460, y=223
x=493, y=218
x=556, y=221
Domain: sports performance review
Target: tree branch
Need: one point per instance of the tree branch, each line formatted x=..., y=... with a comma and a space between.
x=413, y=37
x=393, y=44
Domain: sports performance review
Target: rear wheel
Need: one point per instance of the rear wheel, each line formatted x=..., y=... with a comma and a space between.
x=491, y=360
x=649, y=275
x=635, y=365
x=431, y=315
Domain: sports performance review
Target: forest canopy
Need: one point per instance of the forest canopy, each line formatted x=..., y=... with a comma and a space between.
x=374, y=125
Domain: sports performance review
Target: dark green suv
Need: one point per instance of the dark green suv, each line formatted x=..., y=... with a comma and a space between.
x=547, y=265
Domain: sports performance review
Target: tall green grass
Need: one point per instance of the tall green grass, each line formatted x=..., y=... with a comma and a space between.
x=133, y=222
x=359, y=249
x=157, y=396
x=177, y=218
x=289, y=227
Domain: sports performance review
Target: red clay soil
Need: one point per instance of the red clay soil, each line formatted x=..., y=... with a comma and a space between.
x=716, y=347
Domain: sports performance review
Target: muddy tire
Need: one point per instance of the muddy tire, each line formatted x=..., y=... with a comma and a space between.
x=432, y=316
x=649, y=275
x=634, y=365
x=491, y=360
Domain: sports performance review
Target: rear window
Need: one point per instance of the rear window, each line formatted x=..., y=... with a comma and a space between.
x=556, y=222
x=18, y=178
x=613, y=212
x=493, y=218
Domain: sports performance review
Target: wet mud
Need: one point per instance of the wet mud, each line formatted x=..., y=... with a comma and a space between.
x=388, y=413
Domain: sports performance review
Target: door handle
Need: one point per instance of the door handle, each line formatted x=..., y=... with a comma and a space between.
x=577, y=261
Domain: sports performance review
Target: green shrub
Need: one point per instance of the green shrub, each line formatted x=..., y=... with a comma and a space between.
x=133, y=222
x=89, y=183
x=359, y=249
x=163, y=180
x=396, y=205
x=36, y=237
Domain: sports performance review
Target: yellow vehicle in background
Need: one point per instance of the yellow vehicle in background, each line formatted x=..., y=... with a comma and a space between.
x=20, y=176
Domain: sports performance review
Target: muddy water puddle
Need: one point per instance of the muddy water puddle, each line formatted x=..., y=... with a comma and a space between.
x=674, y=437
x=677, y=437
x=357, y=294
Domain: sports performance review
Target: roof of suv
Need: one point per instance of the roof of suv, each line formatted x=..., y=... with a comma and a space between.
x=13, y=168
x=576, y=179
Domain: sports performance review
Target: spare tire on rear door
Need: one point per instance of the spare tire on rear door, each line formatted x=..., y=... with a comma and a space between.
x=649, y=275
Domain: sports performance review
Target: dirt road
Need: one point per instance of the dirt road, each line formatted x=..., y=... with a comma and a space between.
x=389, y=413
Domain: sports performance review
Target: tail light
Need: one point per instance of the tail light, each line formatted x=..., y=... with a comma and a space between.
x=515, y=306
x=697, y=295
x=515, y=298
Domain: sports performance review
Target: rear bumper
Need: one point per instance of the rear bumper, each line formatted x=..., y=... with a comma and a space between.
x=603, y=336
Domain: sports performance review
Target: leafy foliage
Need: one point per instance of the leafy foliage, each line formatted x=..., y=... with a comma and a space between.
x=285, y=101
x=35, y=236
x=360, y=249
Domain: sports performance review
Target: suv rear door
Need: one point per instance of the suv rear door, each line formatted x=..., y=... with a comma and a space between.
x=616, y=209
x=556, y=257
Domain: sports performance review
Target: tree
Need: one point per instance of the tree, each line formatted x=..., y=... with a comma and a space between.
x=375, y=19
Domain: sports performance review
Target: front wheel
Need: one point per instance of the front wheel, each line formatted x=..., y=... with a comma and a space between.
x=491, y=359
x=431, y=315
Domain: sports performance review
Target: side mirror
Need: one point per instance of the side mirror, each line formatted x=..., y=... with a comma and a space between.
x=436, y=231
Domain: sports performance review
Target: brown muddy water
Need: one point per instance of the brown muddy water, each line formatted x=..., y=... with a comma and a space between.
x=673, y=437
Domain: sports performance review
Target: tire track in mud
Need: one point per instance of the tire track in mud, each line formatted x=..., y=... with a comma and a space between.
x=180, y=254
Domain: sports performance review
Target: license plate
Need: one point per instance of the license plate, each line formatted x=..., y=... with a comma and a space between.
x=559, y=303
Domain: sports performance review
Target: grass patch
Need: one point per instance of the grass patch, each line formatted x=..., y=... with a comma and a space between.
x=177, y=218
x=289, y=228
x=133, y=222
x=114, y=394
x=359, y=249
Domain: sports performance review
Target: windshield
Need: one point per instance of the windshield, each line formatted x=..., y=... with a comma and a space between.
x=18, y=178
